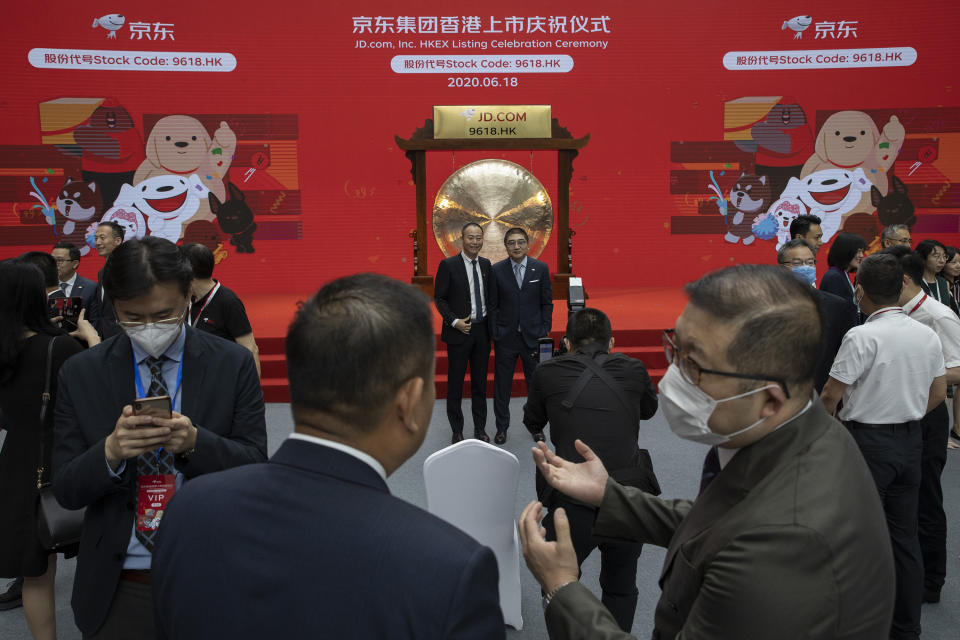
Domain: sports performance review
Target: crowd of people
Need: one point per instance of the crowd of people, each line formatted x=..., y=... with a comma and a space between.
x=820, y=512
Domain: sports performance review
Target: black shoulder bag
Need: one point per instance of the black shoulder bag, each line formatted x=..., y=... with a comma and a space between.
x=56, y=527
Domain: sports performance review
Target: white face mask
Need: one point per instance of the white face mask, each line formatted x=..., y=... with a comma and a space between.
x=688, y=408
x=155, y=337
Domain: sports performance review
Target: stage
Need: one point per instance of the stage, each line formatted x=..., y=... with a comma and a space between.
x=637, y=315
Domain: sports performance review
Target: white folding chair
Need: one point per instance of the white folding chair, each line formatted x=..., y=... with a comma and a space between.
x=473, y=486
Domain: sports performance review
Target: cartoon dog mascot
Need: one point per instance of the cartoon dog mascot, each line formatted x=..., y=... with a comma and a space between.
x=831, y=194
x=850, y=140
x=77, y=202
x=168, y=202
x=749, y=197
x=180, y=145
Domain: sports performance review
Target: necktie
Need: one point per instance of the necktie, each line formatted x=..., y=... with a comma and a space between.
x=711, y=467
x=158, y=462
x=518, y=272
x=477, y=300
x=63, y=287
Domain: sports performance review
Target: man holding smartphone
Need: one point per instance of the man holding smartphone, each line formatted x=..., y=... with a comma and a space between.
x=126, y=467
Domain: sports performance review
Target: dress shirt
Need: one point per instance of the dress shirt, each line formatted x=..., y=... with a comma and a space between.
x=138, y=558
x=70, y=284
x=363, y=456
x=888, y=363
x=942, y=320
x=523, y=269
x=483, y=298
x=725, y=454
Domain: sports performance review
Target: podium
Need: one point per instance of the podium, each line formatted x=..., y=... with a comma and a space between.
x=561, y=141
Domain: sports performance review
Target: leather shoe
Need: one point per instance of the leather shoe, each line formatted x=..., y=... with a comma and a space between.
x=500, y=438
x=457, y=436
x=481, y=435
x=931, y=596
x=11, y=598
x=539, y=437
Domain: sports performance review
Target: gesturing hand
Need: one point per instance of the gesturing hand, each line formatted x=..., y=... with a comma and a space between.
x=463, y=324
x=585, y=481
x=553, y=564
x=183, y=435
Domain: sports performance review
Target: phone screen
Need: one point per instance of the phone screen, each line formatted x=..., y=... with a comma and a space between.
x=546, y=351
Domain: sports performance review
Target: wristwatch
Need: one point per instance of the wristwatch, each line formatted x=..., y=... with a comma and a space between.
x=184, y=456
x=549, y=597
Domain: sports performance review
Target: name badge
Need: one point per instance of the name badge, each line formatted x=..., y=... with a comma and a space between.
x=153, y=494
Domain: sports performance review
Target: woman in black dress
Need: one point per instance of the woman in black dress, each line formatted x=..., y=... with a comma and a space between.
x=23, y=352
x=844, y=257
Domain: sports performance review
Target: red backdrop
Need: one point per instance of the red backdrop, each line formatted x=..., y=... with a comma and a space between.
x=327, y=111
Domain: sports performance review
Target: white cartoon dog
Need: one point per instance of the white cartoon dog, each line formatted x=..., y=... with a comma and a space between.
x=830, y=195
x=168, y=202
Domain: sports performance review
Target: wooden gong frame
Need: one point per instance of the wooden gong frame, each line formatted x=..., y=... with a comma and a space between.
x=561, y=141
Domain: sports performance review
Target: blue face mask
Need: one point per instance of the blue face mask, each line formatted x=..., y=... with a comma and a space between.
x=806, y=273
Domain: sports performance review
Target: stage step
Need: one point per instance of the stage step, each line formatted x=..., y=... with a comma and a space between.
x=644, y=344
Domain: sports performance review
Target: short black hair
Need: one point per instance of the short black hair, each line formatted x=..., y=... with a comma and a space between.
x=910, y=261
x=464, y=228
x=586, y=326
x=881, y=277
x=136, y=266
x=792, y=244
x=114, y=226
x=801, y=224
x=46, y=264
x=69, y=246
x=354, y=344
x=844, y=249
x=926, y=247
x=514, y=230
x=201, y=259
x=775, y=317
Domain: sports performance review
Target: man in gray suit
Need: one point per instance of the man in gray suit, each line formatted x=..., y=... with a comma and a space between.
x=789, y=539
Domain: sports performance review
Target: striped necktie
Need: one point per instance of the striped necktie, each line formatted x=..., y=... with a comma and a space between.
x=160, y=462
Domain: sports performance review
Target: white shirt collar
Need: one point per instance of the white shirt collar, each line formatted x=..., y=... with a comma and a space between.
x=339, y=446
x=914, y=300
x=468, y=261
x=725, y=454
x=896, y=310
x=72, y=279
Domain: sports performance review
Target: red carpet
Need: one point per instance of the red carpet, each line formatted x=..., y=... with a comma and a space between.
x=637, y=315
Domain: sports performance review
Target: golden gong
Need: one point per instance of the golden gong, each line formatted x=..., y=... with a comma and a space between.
x=497, y=195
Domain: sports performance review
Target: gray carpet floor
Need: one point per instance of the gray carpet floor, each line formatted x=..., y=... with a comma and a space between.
x=677, y=463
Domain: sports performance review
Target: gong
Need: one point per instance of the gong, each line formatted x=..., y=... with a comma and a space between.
x=497, y=195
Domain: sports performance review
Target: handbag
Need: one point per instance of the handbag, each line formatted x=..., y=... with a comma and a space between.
x=56, y=527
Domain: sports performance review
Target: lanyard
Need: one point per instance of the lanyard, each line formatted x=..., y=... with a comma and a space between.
x=934, y=289
x=883, y=311
x=922, y=300
x=212, y=293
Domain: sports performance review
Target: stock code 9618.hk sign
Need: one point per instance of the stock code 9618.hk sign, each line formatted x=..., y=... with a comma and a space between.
x=492, y=121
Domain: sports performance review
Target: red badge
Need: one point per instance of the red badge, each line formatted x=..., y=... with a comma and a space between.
x=153, y=494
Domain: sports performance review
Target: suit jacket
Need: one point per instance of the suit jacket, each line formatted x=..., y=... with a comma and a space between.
x=312, y=544
x=598, y=417
x=837, y=315
x=837, y=282
x=530, y=307
x=220, y=394
x=451, y=292
x=86, y=289
x=788, y=541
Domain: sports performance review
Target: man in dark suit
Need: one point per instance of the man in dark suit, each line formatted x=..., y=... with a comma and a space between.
x=115, y=463
x=108, y=237
x=788, y=541
x=837, y=315
x=598, y=397
x=521, y=312
x=460, y=291
x=312, y=544
x=67, y=257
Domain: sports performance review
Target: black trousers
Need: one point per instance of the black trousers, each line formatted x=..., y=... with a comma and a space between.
x=130, y=616
x=618, y=560
x=933, y=521
x=893, y=455
x=475, y=352
x=506, y=350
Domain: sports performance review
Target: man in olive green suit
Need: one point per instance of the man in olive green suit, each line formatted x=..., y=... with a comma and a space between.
x=789, y=539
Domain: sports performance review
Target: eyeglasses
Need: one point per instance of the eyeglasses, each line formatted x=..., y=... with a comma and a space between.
x=166, y=322
x=802, y=263
x=903, y=241
x=936, y=255
x=693, y=372
x=62, y=260
x=516, y=243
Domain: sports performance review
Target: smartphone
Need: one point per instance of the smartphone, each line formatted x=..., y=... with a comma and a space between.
x=66, y=308
x=156, y=406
